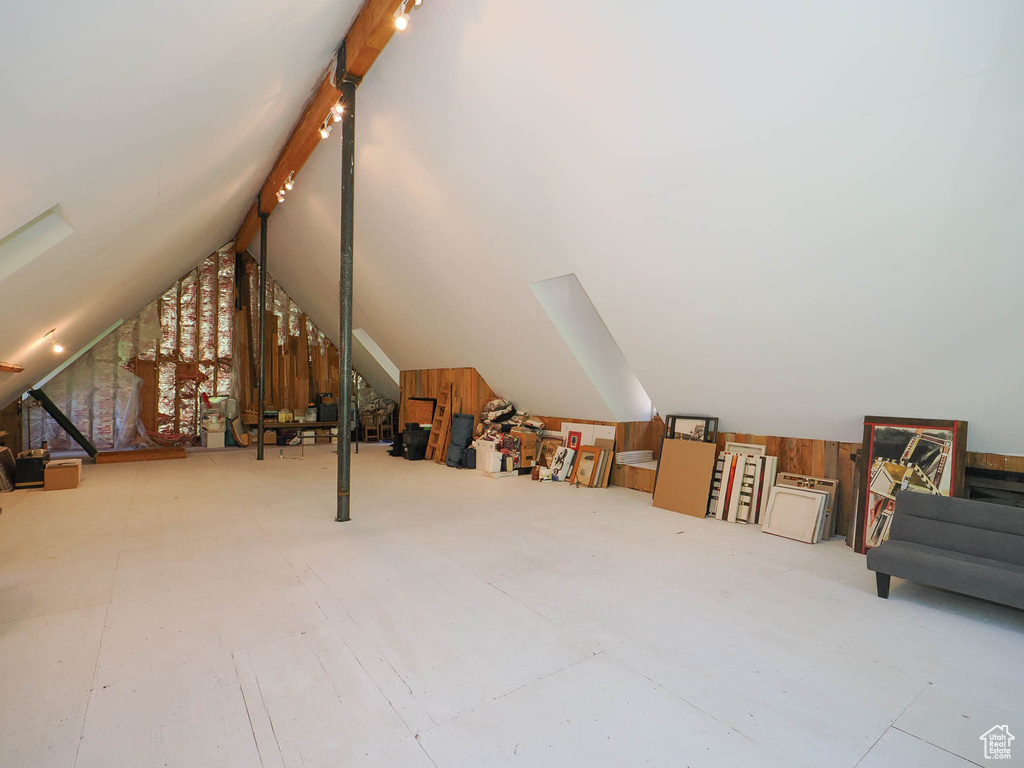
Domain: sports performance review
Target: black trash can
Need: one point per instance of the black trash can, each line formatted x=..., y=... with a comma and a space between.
x=415, y=442
x=396, y=445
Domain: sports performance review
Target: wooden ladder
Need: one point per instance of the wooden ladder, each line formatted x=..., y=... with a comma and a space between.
x=442, y=418
x=446, y=431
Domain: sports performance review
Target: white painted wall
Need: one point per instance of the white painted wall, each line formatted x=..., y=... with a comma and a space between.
x=153, y=126
x=789, y=214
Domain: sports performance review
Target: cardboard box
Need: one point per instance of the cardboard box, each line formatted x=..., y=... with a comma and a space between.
x=488, y=458
x=214, y=439
x=29, y=468
x=529, y=446
x=323, y=436
x=62, y=475
x=270, y=437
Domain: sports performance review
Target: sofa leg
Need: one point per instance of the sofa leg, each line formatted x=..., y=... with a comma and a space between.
x=882, y=582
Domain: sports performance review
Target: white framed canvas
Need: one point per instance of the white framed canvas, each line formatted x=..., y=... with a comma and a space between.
x=767, y=467
x=794, y=513
x=747, y=449
x=562, y=463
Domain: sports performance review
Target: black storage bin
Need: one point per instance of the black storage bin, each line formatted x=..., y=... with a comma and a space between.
x=325, y=412
x=29, y=468
x=397, y=448
x=415, y=441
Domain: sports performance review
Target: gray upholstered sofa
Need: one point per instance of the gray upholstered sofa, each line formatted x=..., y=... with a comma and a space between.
x=964, y=546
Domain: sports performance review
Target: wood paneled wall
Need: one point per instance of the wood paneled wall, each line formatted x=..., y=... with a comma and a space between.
x=297, y=366
x=466, y=383
x=10, y=422
x=995, y=461
x=819, y=458
x=300, y=360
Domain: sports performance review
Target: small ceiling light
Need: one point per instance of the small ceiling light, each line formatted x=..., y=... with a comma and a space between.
x=402, y=17
x=338, y=109
x=57, y=348
x=280, y=195
x=419, y=2
x=325, y=129
x=289, y=183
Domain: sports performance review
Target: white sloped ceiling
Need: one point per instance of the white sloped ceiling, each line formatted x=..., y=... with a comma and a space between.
x=789, y=214
x=152, y=125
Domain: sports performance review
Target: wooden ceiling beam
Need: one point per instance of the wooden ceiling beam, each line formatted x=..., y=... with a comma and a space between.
x=366, y=38
x=10, y=367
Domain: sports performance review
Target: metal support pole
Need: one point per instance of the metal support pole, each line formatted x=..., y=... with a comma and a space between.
x=262, y=403
x=65, y=423
x=348, y=161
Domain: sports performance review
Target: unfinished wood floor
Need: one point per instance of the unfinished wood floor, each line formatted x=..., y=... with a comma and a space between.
x=209, y=612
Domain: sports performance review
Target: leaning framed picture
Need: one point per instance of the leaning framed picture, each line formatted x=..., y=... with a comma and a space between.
x=905, y=456
x=574, y=440
x=586, y=463
x=703, y=429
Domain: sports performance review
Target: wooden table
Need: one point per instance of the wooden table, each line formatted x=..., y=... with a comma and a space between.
x=299, y=425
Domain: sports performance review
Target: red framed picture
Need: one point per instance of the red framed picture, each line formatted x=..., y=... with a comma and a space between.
x=905, y=456
x=574, y=440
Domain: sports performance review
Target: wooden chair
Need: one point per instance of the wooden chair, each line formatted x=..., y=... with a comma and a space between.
x=387, y=431
x=371, y=429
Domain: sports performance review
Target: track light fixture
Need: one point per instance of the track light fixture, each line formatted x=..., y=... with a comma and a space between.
x=288, y=186
x=402, y=14
x=57, y=348
x=325, y=126
x=337, y=111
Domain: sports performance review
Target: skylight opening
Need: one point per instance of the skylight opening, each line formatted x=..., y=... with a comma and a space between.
x=32, y=240
x=583, y=329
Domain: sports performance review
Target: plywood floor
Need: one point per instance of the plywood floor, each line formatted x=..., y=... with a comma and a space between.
x=209, y=612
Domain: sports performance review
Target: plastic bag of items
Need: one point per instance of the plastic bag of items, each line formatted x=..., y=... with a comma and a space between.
x=497, y=411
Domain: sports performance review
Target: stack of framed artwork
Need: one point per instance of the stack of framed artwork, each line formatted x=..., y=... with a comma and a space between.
x=741, y=484
x=905, y=455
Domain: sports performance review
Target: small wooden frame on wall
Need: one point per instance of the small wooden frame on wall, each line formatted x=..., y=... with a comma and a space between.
x=905, y=455
x=703, y=429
